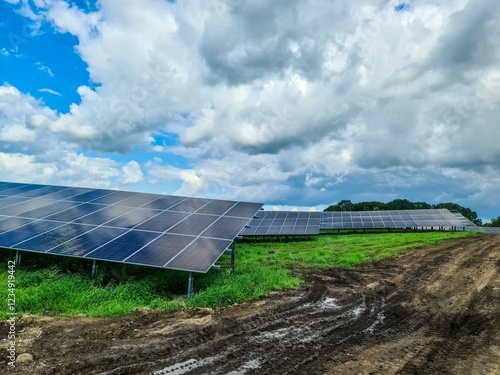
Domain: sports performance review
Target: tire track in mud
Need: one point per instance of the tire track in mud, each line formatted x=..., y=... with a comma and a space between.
x=439, y=335
x=298, y=336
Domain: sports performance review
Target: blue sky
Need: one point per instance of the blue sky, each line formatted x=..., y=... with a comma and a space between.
x=292, y=104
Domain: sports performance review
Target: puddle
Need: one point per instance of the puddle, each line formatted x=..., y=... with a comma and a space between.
x=329, y=303
x=250, y=365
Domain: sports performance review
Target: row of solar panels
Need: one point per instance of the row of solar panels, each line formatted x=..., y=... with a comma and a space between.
x=491, y=230
x=148, y=229
x=310, y=223
x=173, y=232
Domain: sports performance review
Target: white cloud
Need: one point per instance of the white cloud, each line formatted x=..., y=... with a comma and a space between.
x=50, y=91
x=44, y=69
x=132, y=173
x=284, y=100
x=17, y=133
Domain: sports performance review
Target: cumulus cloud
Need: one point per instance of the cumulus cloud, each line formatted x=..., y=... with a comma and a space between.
x=132, y=173
x=285, y=100
x=31, y=152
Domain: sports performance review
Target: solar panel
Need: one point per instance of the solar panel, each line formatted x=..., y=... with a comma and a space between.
x=155, y=230
x=490, y=230
x=428, y=218
x=284, y=223
x=87, y=242
x=197, y=254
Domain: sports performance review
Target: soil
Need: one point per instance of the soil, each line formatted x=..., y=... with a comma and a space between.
x=430, y=311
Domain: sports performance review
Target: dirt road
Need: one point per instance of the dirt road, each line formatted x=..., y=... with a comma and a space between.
x=430, y=311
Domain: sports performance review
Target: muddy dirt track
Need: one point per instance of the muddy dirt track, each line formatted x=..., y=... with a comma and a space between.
x=430, y=311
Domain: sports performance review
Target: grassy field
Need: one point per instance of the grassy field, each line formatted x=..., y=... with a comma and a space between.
x=68, y=289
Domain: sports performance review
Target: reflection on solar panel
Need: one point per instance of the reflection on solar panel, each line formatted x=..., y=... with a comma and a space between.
x=284, y=223
x=428, y=218
x=173, y=232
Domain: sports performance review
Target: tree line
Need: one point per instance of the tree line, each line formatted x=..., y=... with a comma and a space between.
x=404, y=204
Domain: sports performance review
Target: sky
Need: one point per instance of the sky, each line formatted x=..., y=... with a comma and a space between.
x=296, y=104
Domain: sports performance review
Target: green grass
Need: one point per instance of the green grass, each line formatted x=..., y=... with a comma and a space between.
x=338, y=251
x=68, y=289
x=49, y=291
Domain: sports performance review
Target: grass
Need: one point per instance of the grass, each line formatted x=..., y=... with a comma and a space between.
x=68, y=289
x=338, y=251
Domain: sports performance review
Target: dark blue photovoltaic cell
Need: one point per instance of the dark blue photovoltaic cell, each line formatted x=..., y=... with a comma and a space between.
x=193, y=225
x=67, y=193
x=164, y=203
x=9, y=201
x=124, y=246
x=27, y=205
x=138, y=200
x=54, y=237
x=216, y=207
x=75, y=212
x=190, y=204
x=161, y=250
x=114, y=197
x=12, y=222
x=102, y=216
x=225, y=227
x=24, y=189
x=200, y=255
x=163, y=221
x=90, y=196
x=48, y=210
x=5, y=188
x=14, y=236
x=244, y=209
x=132, y=218
x=41, y=192
x=88, y=242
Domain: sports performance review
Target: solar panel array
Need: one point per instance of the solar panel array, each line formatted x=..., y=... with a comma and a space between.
x=309, y=223
x=469, y=225
x=284, y=223
x=490, y=230
x=167, y=231
x=425, y=218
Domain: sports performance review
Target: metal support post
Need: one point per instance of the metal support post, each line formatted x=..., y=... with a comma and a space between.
x=18, y=258
x=190, y=285
x=95, y=269
x=233, y=250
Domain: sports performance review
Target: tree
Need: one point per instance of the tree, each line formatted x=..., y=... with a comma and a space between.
x=368, y=206
x=494, y=222
x=343, y=205
x=422, y=205
x=400, y=204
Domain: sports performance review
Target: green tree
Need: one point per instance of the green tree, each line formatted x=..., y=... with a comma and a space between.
x=422, y=205
x=494, y=222
x=400, y=204
x=343, y=205
x=368, y=206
